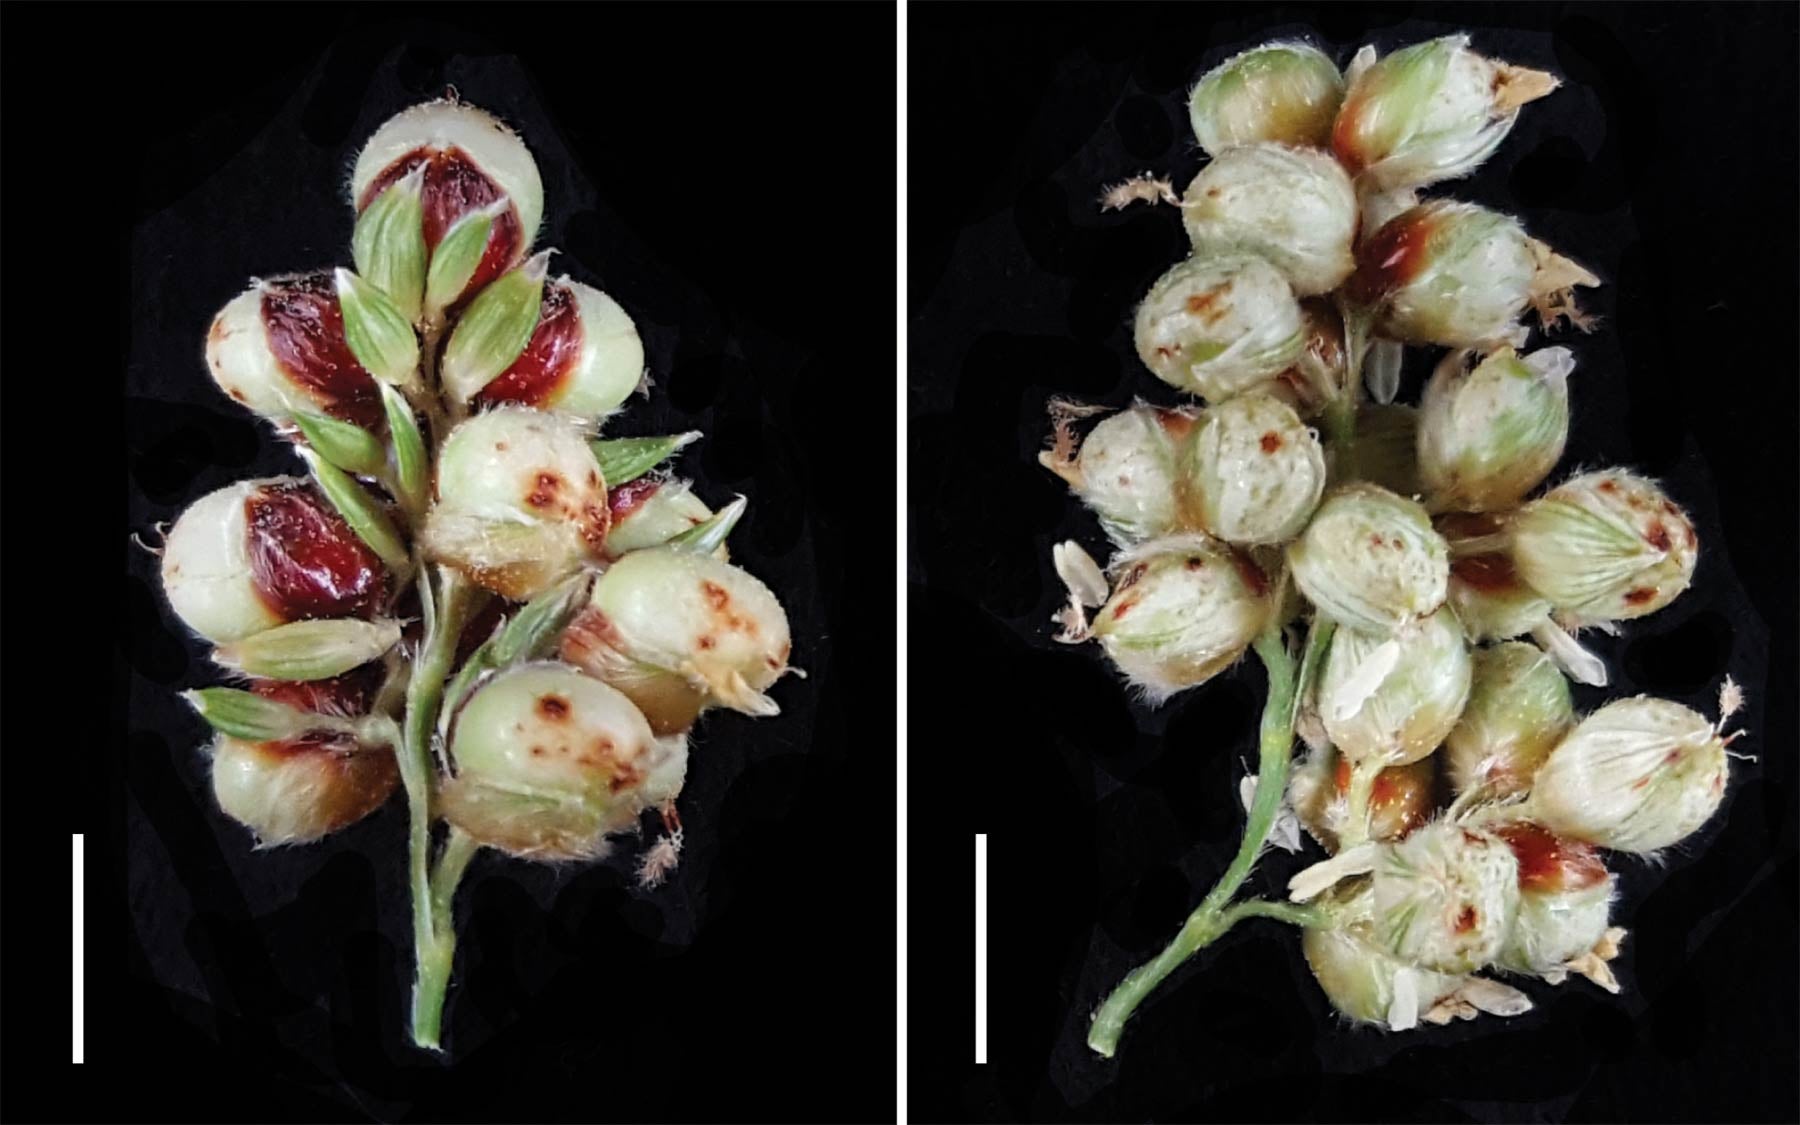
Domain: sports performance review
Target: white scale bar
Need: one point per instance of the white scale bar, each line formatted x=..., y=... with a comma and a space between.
x=980, y=948
x=75, y=1019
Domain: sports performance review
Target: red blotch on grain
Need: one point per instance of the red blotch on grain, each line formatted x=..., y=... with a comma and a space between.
x=305, y=561
x=545, y=365
x=1548, y=862
x=454, y=187
x=305, y=329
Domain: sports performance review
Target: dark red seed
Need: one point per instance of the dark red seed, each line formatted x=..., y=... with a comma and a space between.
x=305, y=560
x=1391, y=258
x=544, y=366
x=305, y=329
x=1251, y=574
x=453, y=187
x=1548, y=862
x=345, y=696
x=629, y=497
x=1485, y=572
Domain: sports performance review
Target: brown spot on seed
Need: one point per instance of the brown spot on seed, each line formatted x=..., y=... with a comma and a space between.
x=1195, y=563
x=1466, y=920
x=1658, y=536
x=537, y=751
x=1251, y=574
x=1484, y=572
x=1639, y=596
x=1271, y=441
x=544, y=495
x=716, y=595
x=1124, y=607
x=707, y=643
x=500, y=447
x=1207, y=307
x=1609, y=486
x=553, y=707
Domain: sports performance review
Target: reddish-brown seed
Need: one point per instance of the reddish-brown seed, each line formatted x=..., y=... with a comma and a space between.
x=545, y=365
x=453, y=187
x=1391, y=258
x=629, y=497
x=553, y=707
x=1251, y=574
x=1548, y=862
x=1485, y=572
x=305, y=329
x=305, y=561
x=1271, y=441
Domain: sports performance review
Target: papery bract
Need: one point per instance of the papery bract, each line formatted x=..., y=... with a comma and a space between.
x=1370, y=560
x=1293, y=207
x=1491, y=432
x=549, y=761
x=1183, y=610
x=520, y=503
x=1605, y=546
x=1637, y=775
x=1287, y=92
x=1255, y=470
x=1518, y=710
x=678, y=632
x=1216, y=327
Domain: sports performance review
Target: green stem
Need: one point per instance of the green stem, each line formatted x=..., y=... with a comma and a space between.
x=1294, y=913
x=1214, y=915
x=444, y=615
x=438, y=954
x=1318, y=639
x=1340, y=427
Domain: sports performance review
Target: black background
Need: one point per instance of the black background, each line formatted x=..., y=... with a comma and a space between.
x=1667, y=164
x=734, y=192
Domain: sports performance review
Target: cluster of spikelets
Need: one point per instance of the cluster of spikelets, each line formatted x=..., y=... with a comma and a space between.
x=1439, y=584
x=472, y=594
